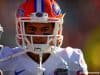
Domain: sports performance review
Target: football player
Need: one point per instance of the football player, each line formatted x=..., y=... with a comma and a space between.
x=39, y=37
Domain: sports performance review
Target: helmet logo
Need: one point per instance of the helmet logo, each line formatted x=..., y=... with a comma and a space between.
x=39, y=14
x=56, y=9
x=20, y=12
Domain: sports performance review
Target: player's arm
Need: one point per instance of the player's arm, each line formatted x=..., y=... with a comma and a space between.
x=76, y=55
x=83, y=65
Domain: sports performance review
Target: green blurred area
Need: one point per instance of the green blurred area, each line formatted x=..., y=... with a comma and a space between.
x=92, y=50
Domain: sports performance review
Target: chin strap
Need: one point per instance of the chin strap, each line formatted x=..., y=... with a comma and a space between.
x=40, y=69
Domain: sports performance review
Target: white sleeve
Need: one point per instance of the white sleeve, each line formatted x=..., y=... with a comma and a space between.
x=75, y=55
x=82, y=63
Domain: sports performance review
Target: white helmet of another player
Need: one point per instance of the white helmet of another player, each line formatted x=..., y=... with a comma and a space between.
x=1, y=30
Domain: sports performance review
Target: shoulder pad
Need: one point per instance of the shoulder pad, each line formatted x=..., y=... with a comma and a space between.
x=7, y=51
x=17, y=50
x=74, y=53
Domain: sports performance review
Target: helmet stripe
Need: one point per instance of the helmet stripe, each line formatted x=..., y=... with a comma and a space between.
x=39, y=6
x=34, y=5
x=42, y=5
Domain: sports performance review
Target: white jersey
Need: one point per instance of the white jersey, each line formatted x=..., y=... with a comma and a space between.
x=64, y=58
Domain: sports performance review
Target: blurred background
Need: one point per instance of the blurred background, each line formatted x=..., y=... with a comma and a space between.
x=81, y=27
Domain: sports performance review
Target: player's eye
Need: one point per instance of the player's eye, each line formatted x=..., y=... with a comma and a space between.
x=31, y=30
x=44, y=29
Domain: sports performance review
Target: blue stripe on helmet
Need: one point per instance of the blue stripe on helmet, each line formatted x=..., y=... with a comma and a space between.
x=35, y=4
x=39, y=5
x=42, y=5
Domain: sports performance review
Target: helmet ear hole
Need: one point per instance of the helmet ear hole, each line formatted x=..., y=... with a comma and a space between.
x=39, y=14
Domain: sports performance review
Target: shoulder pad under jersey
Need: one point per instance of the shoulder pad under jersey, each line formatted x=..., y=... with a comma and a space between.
x=73, y=52
x=6, y=52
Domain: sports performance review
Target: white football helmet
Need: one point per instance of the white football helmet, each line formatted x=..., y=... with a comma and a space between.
x=1, y=30
x=39, y=11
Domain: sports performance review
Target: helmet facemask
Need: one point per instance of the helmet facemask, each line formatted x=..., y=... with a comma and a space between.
x=26, y=41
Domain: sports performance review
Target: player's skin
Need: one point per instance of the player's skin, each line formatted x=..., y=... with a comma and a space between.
x=39, y=29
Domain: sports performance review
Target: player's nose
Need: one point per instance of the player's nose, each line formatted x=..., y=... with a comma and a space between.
x=38, y=40
x=38, y=32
